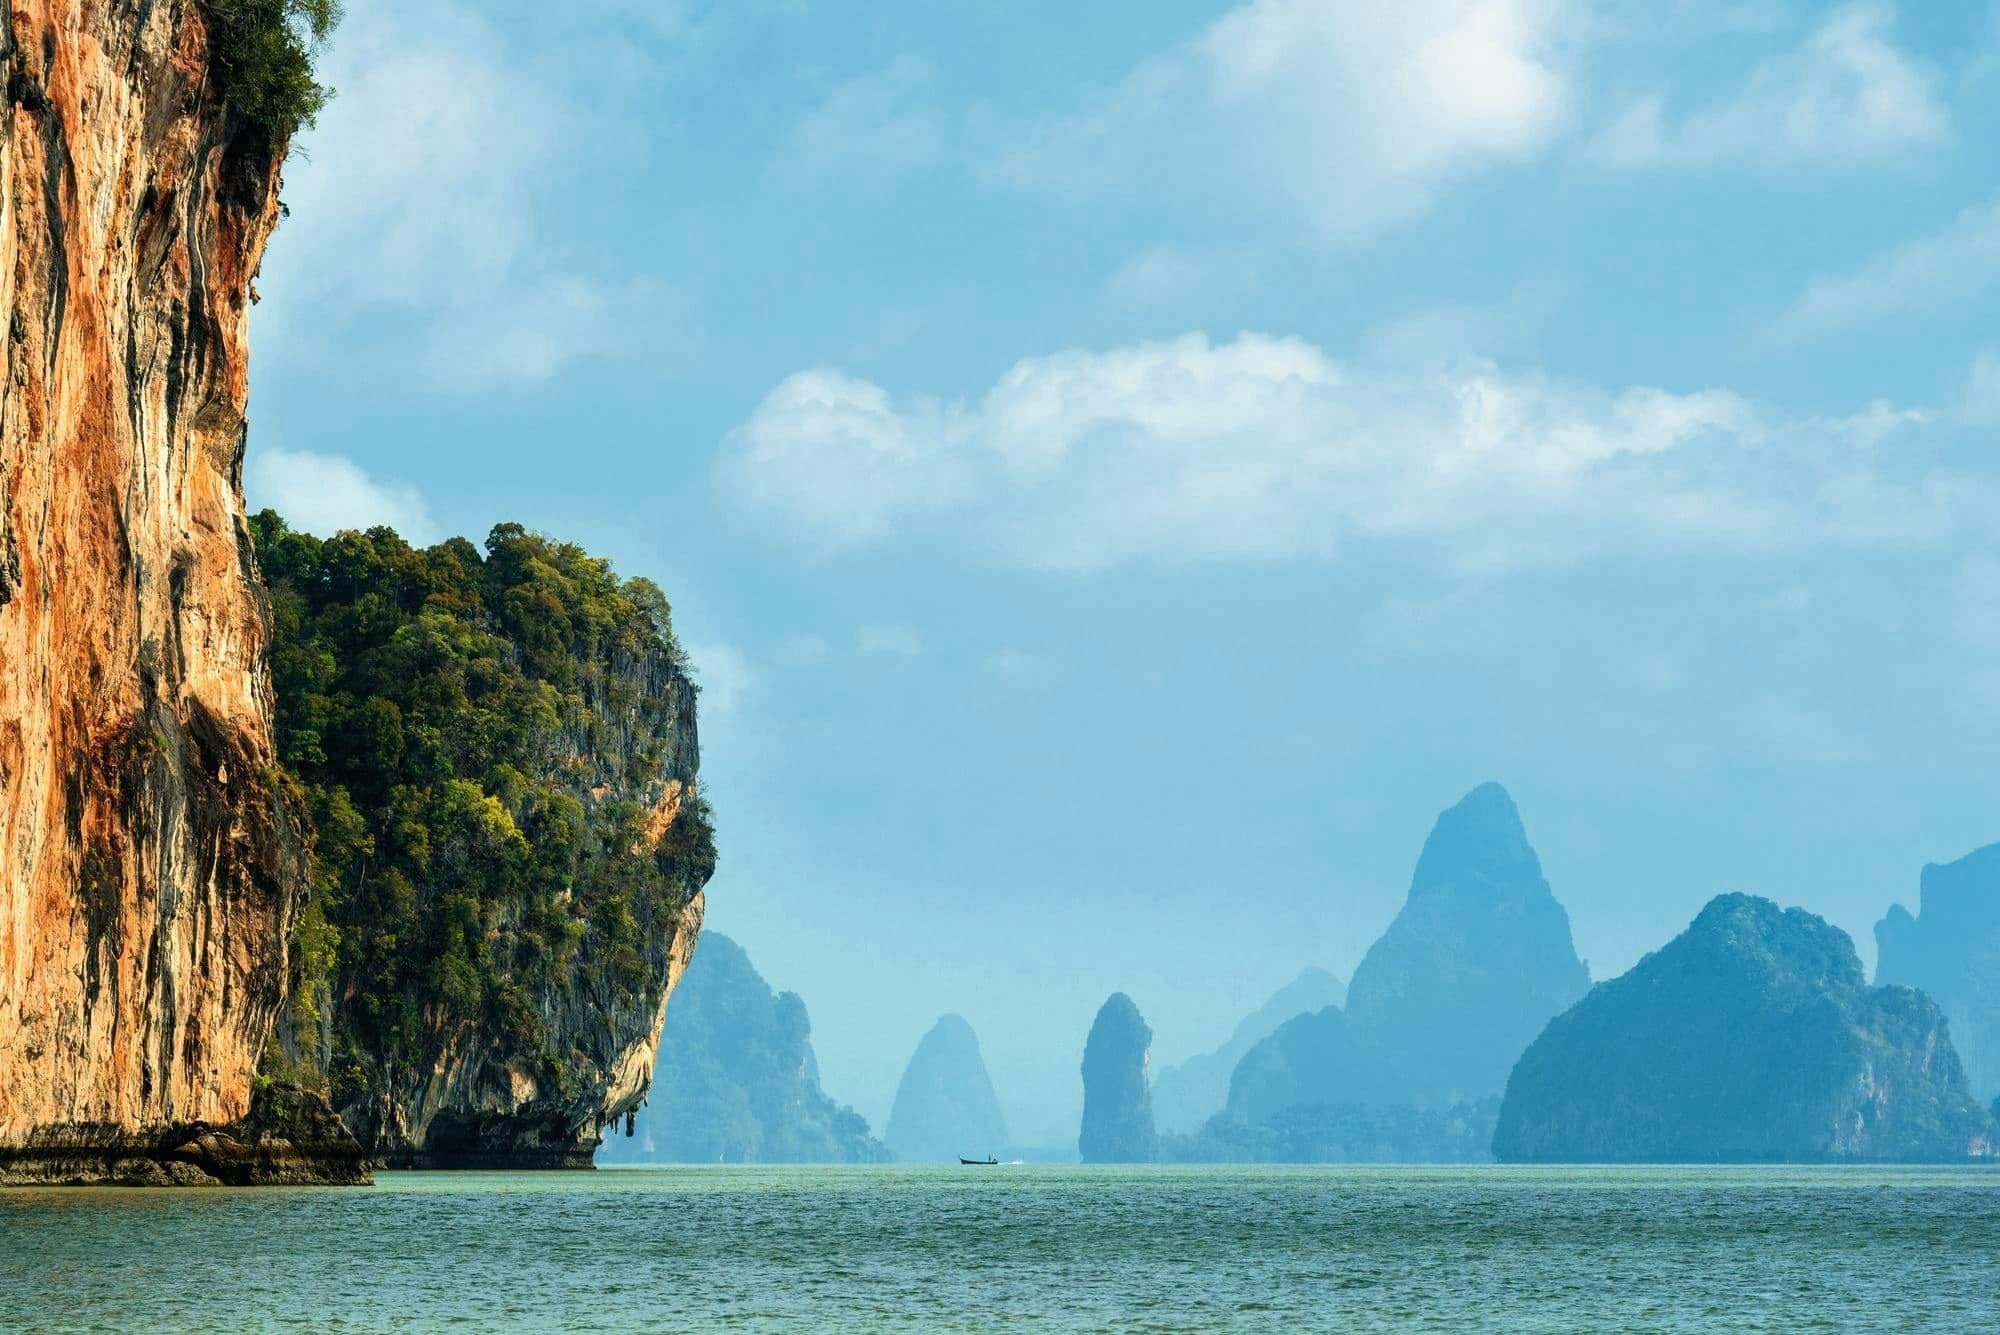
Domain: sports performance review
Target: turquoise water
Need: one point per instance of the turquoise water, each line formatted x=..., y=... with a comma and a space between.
x=1055, y=1248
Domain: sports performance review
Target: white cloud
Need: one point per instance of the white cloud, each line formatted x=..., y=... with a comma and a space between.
x=725, y=675
x=1265, y=448
x=1167, y=277
x=325, y=493
x=1948, y=266
x=842, y=459
x=1981, y=405
x=1846, y=96
x=890, y=641
x=418, y=195
x=1349, y=115
x=869, y=129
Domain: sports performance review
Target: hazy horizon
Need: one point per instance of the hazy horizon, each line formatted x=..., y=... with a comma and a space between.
x=1115, y=504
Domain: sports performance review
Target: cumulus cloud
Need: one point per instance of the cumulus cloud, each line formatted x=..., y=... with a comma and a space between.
x=1948, y=266
x=1348, y=115
x=325, y=493
x=1266, y=448
x=843, y=460
x=418, y=196
x=1846, y=96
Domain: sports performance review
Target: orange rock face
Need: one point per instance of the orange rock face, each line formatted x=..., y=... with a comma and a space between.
x=149, y=868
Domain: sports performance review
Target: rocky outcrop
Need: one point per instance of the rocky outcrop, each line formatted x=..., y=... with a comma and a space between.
x=1951, y=949
x=1751, y=1037
x=1477, y=961
x=1187, y=1095
x=1117, y=1106
x=737, y=1081
x=290, y=1137
x=945, y=1105
x=488, y=1102
x=150, y=869
x=1309, y=1060
x=500, y=754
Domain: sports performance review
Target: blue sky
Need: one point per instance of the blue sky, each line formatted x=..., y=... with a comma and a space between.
x=1122, y=470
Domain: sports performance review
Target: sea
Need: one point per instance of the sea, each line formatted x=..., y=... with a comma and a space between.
x=1024, y=1247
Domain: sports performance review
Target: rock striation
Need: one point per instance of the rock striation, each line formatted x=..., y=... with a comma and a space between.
x=945, y=1105
x=500, y=754
x=1477, y=961
x=150, y=871
x=1751, y=1037
x=736, y=1080
x=1187, y=1095
x=1951, y=949
x=1117, y=1106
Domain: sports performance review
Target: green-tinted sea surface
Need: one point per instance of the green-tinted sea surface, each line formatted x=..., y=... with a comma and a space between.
x=1022, y=1247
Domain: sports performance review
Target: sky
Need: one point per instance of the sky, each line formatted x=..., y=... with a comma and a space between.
x=1122, y=470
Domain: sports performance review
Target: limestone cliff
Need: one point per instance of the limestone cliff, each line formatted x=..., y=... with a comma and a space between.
x=1117, y=1103
x=945, y=1106
x=1476, y=963
x=738, y=1082
x=1187, y=1095
x=1751, y=1036
x=499, y=752
x=1951, y=949
x=150, y=869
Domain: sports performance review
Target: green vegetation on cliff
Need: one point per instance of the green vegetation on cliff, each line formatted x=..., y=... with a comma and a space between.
x=261, y=58
x=497, y=751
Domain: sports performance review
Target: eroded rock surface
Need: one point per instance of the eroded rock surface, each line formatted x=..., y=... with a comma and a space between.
x=150, y=869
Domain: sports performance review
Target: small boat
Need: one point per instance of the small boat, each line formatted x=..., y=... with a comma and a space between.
x=988, y=1162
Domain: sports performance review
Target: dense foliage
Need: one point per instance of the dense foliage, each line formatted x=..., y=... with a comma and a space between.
x=473, y=736
x=736, y=1081
x=261, y=57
